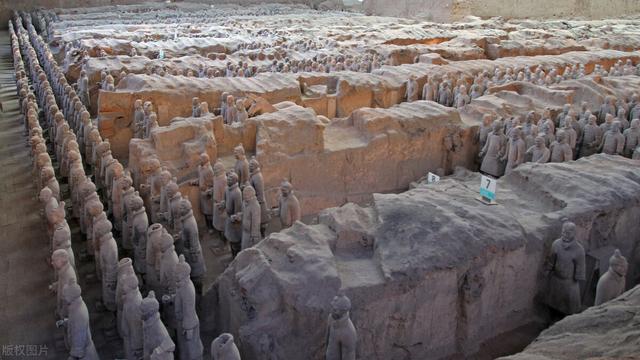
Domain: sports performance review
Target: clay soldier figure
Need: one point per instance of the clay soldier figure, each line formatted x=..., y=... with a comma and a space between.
x=515, y=150
x=166, y=283
x=125, y=268
x=160, y=201
x=257, y=182
x=173, y=213
x=485, y=129
x=138, y=120
x=131, y=322
x=289, y=207
x=230, y=110
x=154, y=332
x=205, y=184
x=241, y=167
x=151, y=124
x=94, y=209
x=139, y=226
x=168, y=258
x=608, y=122
x=412, y=91
x=195, y=107
x=539, y=152
x=84, y=93
x=153, y=183
x=631, y=137
x=223, y=106
x=65, y=274
x=429, y=90
x=608, y=107
x=591, y=137
x=204, y=108
x=50, y=204
x=560, y=149
x=188, y=325
x=77, y=325
x=612, y=283
x=233, y=205
x=48, y=179
x=190, y=241
x=109, y=265
x=120, y=183
x=219, y=189
x=152, y=278
x=61, y=238
x=241, y=112
x=147, y=109
x=127, y=220
x=493, y=150
x=462, y=98
x=341, y=335
x=224, y=348
x=566, y=267
x=570, y=134
x=249, y=218
x=613, y=140
x=560, y=119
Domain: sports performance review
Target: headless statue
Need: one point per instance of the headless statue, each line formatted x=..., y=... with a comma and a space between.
x=224, y=348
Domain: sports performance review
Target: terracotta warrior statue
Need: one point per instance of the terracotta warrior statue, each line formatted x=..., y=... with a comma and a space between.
x=61, y=238
x=591, y=137
x=539, y=152
x=249, y=218
x=195, y=107
x=152, y=276
x=341, y=335
x=612, y=283
x=184, y=301
x=49, y=204
x=205, y=185
x=77, y=325
x=65, y=274
x=232, y=205
x=108, y=264
x=560, y=149
x=631, y=137
x=224, y=348
x=412, y=92
x=139, y=225
x=288, y=209
x=241, y=167
x=566, y=268
x=125, y=268
x=138, y=120
x=493, y=151
x=613, y=140
x=514, y=154
x=219, y=189
x=189, y=240
x=131, y=322
x=257, y=182
x=154, y=333
x=485, y=129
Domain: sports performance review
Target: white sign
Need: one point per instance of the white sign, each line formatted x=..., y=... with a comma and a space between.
x=432, y=178
x=488, y=188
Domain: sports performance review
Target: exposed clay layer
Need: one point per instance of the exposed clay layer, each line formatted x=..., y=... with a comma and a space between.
x=602, y=332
